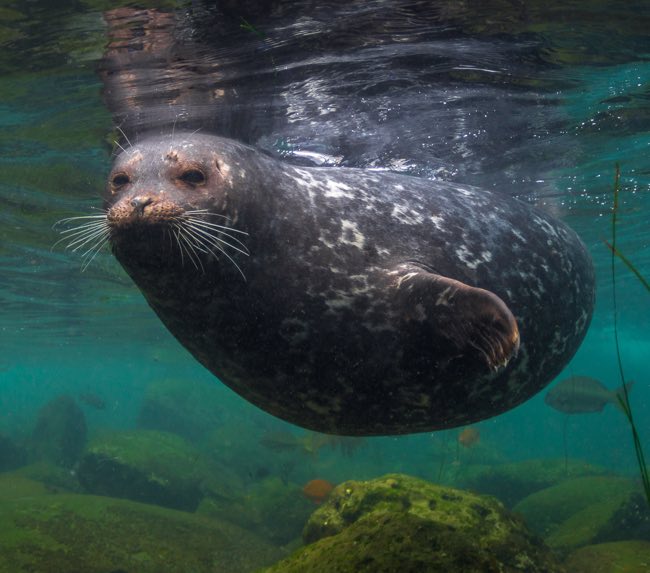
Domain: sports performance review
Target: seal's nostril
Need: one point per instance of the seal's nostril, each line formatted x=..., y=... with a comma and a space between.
x=140, y=202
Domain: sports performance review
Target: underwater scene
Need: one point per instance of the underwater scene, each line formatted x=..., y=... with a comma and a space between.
x=299, y=286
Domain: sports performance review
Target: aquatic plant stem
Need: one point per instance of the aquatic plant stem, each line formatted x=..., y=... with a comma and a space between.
x=629, y=265
x=625, y=400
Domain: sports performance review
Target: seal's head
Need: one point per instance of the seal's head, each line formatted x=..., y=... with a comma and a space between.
x=172, y=194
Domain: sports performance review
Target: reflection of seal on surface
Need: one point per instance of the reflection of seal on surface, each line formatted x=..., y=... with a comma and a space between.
x=372, y=302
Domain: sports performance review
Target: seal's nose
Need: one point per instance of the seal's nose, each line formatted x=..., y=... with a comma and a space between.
x=140, y=202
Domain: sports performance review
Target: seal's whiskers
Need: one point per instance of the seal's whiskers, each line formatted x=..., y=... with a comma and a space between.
x=93, y=231
x=208, y=237
x=91, y=253
x=218, y=237
x=187, y=245
x=124, y=135
x=208, y=228
x=205, y=239
x=119, y=145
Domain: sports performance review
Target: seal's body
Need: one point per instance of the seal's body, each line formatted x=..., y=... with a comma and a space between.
x=349, y=301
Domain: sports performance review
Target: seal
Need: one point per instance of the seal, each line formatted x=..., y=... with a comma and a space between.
x=348, y=301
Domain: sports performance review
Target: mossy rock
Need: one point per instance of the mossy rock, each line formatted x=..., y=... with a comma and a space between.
x=59, y=436
x=512, y=482
x=572, y=513
x=397, y=542
x=148, y=466
x=68, y=533
x=630, y=521
x=14, y=486
x=615, y=557
x=272, y=509
x=50, y=478
x=401, y=523
x=190, y=409
x=11, y=454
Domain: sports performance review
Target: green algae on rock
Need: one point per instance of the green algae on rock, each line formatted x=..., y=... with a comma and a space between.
x=512, y=482
x=393, y=542
x=630, y=521
x=36, y=479
x=14, y=486
x=272, y=509
x=60, y=432
x=11, y=454
x=405, y=524
x=616, y=557
x=573, y=512
x=149, y=466
x=68, y=533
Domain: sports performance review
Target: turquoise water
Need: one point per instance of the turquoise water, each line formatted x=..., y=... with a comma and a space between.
x=582, y=87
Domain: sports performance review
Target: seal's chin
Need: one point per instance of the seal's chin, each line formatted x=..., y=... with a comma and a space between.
x=164, y=251
x=144, y=244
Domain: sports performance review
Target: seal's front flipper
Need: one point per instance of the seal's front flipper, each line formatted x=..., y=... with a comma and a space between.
x=477, y=324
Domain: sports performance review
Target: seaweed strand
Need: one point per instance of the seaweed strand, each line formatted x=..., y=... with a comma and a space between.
x=625, y=399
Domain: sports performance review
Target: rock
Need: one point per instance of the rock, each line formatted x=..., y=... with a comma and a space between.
x=14, y=486
x=149, y=466
x=60, y=433
x=573, y=512
x=53, y=478
x=190, y=409
x=272, y=509
x=630, y=521
x=400, y=523
x=69, y=533
x=617, y=557
x=512, y=482
x=11, y=455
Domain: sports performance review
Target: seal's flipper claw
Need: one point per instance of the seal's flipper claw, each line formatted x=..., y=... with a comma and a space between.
x=476, y=321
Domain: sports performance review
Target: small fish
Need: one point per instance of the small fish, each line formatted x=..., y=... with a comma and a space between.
x=310, y=443
x=582, y=395
x=469, y=437
x=93, y=400
x=289, y=442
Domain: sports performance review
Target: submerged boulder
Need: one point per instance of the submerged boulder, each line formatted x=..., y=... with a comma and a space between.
x=11, y=455
x=272, y=509
x=149, y=466
x=54, y=478
x=616, y=557
x=573, y=512
x=512, y=482
x=401, y=523
x=69, y=533
x=15, y=486
x=59, y=436
x=630, y=521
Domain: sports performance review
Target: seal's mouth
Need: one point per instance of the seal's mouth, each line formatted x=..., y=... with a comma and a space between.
x=166, y=234
x=146, y=234
x=135, y=236
x=150, y=246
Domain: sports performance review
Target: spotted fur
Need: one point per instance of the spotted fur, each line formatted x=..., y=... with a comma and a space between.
x=370, y=302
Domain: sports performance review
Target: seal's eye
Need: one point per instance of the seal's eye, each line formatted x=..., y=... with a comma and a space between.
x=120, y=180
x=193, y=177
